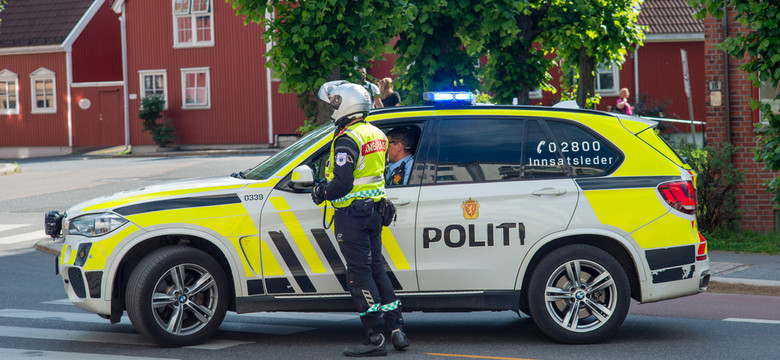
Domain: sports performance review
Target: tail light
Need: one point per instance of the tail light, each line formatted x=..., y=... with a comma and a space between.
x=701, y=250
x=680, y=195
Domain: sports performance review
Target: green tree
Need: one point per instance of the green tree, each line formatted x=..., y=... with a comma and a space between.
x=431, y=52
x=510, y=33
x=319, y=41
x=587, y=33
x=761, y=46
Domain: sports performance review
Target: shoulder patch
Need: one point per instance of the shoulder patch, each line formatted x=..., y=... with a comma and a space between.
x=341, y=158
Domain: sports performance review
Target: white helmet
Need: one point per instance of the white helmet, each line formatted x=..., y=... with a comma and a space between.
x=348, y=100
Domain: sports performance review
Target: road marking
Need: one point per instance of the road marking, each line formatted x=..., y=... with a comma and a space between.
x=6, y=227
x=58, y=302
x=102, y=337
x=756, y=321
x=13, y=239
x=235, y=326
x=301, y=316
x=25, y=354
x=477, y=356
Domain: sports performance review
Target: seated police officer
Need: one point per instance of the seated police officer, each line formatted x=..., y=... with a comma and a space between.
x=356, y=188
x=400, y=147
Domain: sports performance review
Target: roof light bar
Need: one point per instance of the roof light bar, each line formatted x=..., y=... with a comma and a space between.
x=450, y=97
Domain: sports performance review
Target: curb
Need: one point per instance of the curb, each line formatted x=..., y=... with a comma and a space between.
x=96, y=155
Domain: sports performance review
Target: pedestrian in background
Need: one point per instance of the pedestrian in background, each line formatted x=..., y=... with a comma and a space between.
x=622, y=103
x=389, y=97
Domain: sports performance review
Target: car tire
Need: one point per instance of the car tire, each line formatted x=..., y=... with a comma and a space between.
x=599, y=296
x=177, y=296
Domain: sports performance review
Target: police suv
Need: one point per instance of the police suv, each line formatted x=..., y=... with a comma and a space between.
x=563, y=214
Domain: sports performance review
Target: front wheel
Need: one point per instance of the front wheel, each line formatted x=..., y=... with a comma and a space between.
x=177, y=296
x=579, y=294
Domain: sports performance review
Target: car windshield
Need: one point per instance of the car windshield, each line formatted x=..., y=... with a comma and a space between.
x=268, y=168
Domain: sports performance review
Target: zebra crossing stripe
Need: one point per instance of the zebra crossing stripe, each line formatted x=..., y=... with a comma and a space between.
x=13, y=239
x=6, y=227
x=235, y=326
x=26, y=354
x=102, y=337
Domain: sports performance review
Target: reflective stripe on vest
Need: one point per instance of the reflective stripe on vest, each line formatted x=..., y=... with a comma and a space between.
x=369, y=181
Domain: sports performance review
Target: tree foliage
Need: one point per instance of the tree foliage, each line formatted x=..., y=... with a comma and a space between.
x=585, y=34
x=431, y=52
x=319, y=41
x=510, y=33
x=150, y=112
x=761, y=46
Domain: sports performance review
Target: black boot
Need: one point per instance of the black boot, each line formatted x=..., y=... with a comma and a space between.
x=399, y=339
x=373, y=346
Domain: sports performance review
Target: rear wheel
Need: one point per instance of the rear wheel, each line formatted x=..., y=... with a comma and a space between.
x=579, y=294
x=177, y=296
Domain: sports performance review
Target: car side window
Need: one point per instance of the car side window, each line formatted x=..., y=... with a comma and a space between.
x=541, y=159
x=474, y=150
x=585, y=154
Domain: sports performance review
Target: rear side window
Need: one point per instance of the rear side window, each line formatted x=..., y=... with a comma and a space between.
x=583, y=152
x=541, y=158
x=479, y=150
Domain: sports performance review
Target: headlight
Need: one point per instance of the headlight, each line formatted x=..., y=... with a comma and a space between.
x=95, y=224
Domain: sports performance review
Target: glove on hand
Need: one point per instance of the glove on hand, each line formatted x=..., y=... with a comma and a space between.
x=318, y=194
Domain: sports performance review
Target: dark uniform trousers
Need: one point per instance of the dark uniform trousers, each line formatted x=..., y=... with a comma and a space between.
x=359, y=233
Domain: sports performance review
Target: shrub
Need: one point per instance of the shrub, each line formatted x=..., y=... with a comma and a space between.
x=150, y=112
x=716, y=183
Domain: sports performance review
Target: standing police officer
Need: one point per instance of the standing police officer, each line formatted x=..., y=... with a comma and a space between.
x=356, y=187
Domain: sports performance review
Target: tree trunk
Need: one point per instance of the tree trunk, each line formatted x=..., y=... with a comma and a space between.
x=586, y=86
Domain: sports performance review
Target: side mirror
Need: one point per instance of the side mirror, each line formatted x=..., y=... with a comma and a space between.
x=302, y=178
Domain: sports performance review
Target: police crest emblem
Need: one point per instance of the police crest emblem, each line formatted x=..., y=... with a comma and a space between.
x=341, y=158
x=470, y=209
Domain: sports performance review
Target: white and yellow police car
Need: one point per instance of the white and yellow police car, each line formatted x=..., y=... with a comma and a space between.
x=563, y=214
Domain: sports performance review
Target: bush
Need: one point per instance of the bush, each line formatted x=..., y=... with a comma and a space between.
x=150, y=112
x=715, y=185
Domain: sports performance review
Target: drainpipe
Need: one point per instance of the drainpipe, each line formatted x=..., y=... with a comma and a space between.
x=123, y=27
x=636, y=74
x=268, y=87
x=69, y=83
x=726, y=100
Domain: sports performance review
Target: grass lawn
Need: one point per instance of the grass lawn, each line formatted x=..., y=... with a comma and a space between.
x=743, y=241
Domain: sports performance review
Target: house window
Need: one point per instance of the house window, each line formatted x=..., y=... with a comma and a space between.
x=195, y=86
x=768, y=95
x=536, y=94
x=154, y=82
x=9, y=93
x=192, y=23
x=43, y=85
x=607, y=80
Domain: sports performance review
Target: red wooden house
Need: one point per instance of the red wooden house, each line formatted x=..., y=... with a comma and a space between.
x=209, y=67
x=60, y=72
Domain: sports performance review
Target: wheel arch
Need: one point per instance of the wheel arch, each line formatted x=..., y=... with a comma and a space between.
x=139, y=248
x=618, y=248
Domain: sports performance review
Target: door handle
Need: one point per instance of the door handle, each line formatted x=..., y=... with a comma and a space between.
x=549, y=191
x=399, y=201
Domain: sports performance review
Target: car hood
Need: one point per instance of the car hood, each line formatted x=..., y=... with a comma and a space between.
x=176, y=189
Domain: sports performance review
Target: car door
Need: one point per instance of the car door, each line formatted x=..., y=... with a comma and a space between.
x=487, y=197
x=300, y=253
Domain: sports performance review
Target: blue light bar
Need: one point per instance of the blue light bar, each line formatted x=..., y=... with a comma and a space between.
x=450, y=97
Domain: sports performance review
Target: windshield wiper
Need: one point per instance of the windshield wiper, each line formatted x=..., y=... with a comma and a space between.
x=239, y=175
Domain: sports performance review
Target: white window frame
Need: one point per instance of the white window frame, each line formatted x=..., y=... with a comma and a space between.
x=142, y=84
x=193, y=15
x=8, y=76
x=615, y=89
x=184, y=72
x=536, y=94
x=43, y=74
